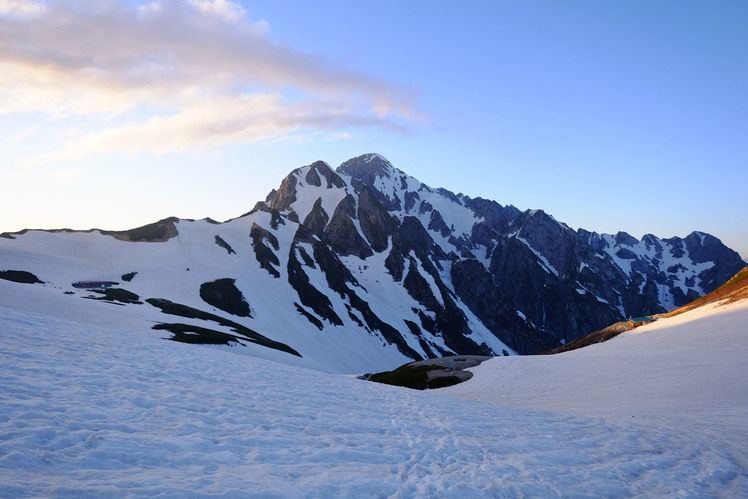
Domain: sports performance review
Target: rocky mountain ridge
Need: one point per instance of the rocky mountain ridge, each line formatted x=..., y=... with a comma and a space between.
x=528, y=278
x=365, y=263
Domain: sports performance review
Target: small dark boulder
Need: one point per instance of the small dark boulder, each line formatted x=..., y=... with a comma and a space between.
x=20, y=276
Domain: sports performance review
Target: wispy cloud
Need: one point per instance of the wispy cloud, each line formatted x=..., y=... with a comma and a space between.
x=171, y=75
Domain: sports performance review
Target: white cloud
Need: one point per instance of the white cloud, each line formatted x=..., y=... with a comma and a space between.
x=21, y=135
x=20, y=8
x=172, y=75
x=220, y=8
x=217, y=122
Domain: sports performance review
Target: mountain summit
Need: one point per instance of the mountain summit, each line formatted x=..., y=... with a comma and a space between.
x=365, y=268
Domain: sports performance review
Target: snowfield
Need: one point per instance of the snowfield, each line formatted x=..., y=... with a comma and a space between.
x=691, y=369
x=89, y=410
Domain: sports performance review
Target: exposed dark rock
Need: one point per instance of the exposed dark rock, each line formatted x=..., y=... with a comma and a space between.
x=355, y=318
x=317, y=218
x=419, y=288
x=341, y=233
x=376, y=224
x=157, y=232
x=550, y=302
x=395, y=261
x=626, y=254
x=116, y=296
x=622, y=238
x=309, y=316
x=436, y=223
x=20, y=276
x=276, y=219
x=410, y=200
x=129, y=276
x=475, y=287
x=704, y=248
x=463, y=245
x=449, y=195
x=308, y=260
x=285, y=196
x=366, y=170
x=483, y=234
x=495, y=216
x=332, y=179
x=390, y=334
x=312, y=178
x=338, y=278
x=247, y=334
x=268, y=260
x=196, y=335
x=310, y=296
x=223, y=244
x=414, y=235
x=224, y=295
x=336, y=273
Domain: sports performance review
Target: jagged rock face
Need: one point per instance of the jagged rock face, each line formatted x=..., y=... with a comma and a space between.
x=473, y=264
x=322, y=169
x=372, y=170
x=341, y=233
x=376, y=224
x=317, y=219
x=285, y=196
x=475, y=285
x=268, y=260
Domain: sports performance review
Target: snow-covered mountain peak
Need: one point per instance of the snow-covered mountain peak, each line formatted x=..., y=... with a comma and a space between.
x=366, y=267
x=368, y=167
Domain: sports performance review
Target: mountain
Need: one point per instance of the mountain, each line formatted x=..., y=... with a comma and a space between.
x=364, y=268
x=735, y=289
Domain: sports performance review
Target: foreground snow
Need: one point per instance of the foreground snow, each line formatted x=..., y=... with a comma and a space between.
x=691, y=369
x=90, y=411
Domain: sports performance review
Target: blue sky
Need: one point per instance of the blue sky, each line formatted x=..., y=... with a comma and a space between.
x=620, y=115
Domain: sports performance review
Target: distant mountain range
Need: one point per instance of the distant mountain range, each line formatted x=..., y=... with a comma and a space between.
x=364, y=267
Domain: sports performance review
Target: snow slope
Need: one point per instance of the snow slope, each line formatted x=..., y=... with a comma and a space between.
x=175, y=269
x=689, y=366
x=688, y=373
x=92, y=411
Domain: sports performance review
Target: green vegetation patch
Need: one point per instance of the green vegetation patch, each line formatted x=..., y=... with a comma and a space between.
x=415, y=377
x=169, y=307
x=444, y=381
x=20, y=276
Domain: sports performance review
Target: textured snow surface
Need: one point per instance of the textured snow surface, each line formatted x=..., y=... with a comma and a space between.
x=91, y=411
